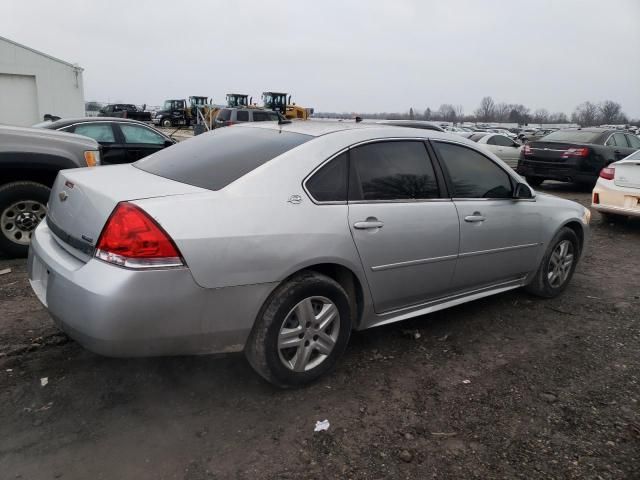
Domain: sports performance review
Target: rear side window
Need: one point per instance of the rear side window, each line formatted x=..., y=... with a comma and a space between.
x=472, y=174
x=621, y=140
x=215, y=159
x=242, y=116
x=224, y=114
x=633, y=141
x=139, y=134
x=500, y=140
x=100, y=132
x=329, y=184
x=392, y=171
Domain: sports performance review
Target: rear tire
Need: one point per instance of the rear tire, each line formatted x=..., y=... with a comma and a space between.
x=555, y=271
x=22, y=207
x=534, y=181
x=301, y=330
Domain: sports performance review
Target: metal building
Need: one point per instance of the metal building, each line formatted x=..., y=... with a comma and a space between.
x=33, y=84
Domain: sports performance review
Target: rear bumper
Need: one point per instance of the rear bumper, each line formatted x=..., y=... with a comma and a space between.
x=555, y=171
x=118, y=312
x=614, y=199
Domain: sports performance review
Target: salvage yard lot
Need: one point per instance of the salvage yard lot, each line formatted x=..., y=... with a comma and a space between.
x=506, y=387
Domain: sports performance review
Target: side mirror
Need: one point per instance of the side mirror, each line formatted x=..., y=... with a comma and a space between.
x=522, y=191
x=168, y=143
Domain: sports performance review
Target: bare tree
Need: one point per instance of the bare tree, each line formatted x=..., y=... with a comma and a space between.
x=610, y=112
x=427, y=114
x=459, y=112
x=486, y=111
x=411, y=114
x=502, y=112
x=447, y=112
x=541, y=116
x=586, y=114
x=519, y=114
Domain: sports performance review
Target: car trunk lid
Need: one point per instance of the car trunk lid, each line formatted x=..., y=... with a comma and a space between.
x=627, y=173
x=82, y=200
x=551, y=151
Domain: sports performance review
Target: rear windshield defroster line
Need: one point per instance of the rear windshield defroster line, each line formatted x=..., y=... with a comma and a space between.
x=214, y=160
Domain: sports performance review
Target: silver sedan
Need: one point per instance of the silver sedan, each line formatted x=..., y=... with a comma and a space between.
x=279, y=240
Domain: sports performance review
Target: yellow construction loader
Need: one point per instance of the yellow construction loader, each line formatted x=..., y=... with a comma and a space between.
x=281, y=102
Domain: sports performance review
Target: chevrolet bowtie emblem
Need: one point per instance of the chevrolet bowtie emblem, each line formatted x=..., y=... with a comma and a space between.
x=63, y=196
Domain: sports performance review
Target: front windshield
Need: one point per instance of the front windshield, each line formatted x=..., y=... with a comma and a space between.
x=167, y=105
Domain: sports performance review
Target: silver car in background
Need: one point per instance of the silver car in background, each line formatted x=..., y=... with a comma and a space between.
x=279, y=240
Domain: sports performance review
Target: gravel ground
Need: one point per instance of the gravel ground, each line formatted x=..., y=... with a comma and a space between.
x=505, y=387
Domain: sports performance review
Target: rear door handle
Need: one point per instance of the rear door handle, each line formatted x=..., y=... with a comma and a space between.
x=370, y=222
x=476, y=217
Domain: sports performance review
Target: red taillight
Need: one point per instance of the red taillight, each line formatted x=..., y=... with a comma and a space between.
x=596, y=198
x=576, y=152
x=527, y=150
x=608, y=173
x=131, y=238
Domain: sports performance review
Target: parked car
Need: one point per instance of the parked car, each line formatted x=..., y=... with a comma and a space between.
x=231, y=116
x=617, y=191
x=124, y=110
x=30, y=159
x=280, y=240
x=501, y=145
x=412, y=124
x=533, y=134
x=122, y=140
x=574, y=154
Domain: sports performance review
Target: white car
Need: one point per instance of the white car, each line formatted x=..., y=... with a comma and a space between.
x=617, y=191
x=506, y=149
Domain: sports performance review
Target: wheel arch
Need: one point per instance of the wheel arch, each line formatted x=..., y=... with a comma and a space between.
x=578, y=229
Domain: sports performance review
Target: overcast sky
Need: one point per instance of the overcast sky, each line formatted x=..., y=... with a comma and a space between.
x=344, y=56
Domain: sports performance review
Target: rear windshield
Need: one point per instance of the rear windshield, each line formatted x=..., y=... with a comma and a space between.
x=213, y=160
x=580, y=136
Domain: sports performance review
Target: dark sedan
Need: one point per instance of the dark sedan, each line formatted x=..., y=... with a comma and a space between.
x=574, y=154
x=122, y=140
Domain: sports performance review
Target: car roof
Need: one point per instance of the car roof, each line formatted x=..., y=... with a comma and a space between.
x=318, y=128
x=65, y=122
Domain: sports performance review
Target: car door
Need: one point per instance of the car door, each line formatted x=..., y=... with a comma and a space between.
x=106, y=136
x=405, y=232
x=505, y=148
x=140, y=140
x=499, y=235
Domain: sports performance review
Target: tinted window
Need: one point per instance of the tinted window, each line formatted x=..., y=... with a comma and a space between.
x=265, y=116
x=329, y=184
x=581, y=136
x=473, y=175
x=621, y=140
x=100, y=132
x=500, y=140
x=242, y=116
x=477, y=136
x=633, y=141
x=392, y=171
x=224, y=114
x=138, y=134
x=215, y=159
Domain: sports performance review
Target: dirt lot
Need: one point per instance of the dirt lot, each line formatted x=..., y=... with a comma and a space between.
x=505, y=387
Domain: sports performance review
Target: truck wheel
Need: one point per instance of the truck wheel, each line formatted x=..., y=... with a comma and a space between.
x=166, y=122
x=22, y=207
x=301, y=331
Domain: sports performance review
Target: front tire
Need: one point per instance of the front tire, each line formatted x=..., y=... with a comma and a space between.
x=22, y=207
x=301, y=331
x=166, y=122
x=557, y=266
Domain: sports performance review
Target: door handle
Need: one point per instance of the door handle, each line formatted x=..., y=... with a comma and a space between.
x=476, y=217
x=370, y=222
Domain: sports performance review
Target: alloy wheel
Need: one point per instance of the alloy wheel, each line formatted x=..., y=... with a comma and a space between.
x=560, y=264
x=308, y=334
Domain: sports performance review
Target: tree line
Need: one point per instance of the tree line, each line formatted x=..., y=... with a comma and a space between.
x=586, y=114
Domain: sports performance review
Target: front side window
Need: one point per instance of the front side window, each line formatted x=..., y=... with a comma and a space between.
x=392, y=171
x=100, y=132
x=472, y=174
x=242, y=116
x=137, y=134
x=329, y=184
